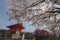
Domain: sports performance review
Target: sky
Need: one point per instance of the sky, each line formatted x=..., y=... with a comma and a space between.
x=4, y=18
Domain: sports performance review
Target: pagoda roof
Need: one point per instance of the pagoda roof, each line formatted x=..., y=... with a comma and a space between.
x=16, y=27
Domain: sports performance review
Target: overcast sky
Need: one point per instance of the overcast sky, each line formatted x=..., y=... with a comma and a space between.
x=4, y=17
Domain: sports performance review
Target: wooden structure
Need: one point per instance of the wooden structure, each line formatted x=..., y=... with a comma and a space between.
x=15, y=29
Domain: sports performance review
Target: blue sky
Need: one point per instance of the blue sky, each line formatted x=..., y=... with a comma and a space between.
x=4, y=18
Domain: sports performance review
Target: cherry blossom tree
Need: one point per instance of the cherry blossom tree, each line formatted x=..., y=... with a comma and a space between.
x=39, y=12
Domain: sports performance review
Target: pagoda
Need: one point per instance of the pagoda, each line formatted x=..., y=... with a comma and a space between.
x=16, y=29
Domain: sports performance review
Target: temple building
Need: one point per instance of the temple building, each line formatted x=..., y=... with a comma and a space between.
x=16, y=29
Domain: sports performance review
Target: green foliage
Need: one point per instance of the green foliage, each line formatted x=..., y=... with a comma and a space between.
x=47, y=37
x=42, y=37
